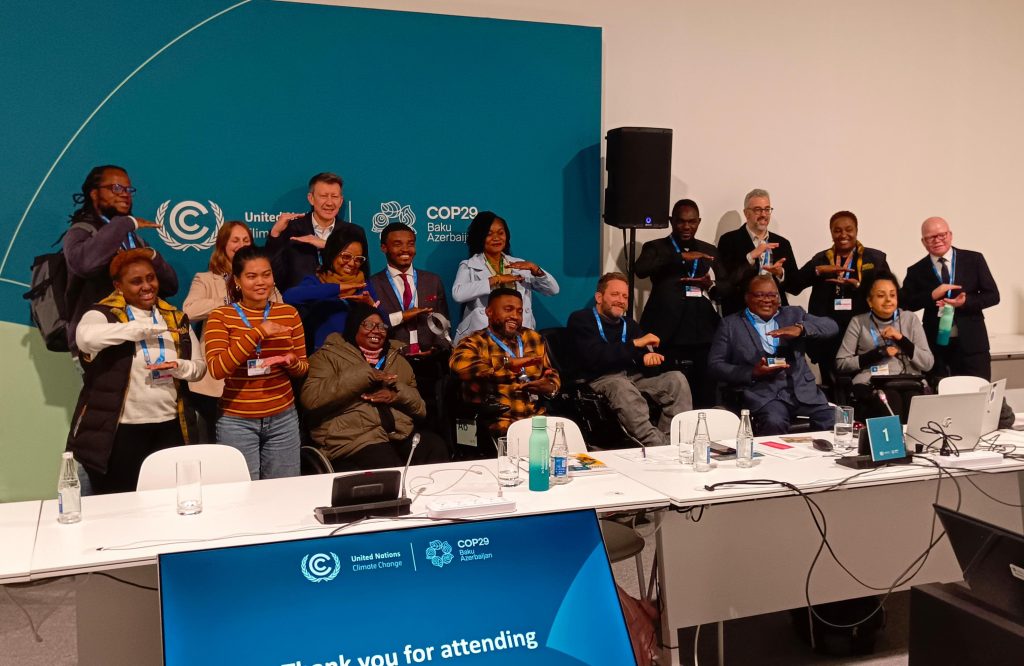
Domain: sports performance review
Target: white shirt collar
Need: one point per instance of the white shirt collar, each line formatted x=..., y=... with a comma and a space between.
x=321, y=232
x=398, y=272
x=948, y=257
x=753, y=237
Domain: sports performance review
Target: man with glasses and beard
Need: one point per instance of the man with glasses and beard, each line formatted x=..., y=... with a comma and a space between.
x=958, y=278
x=753, y=250
x=100, y=228
x=760, y=352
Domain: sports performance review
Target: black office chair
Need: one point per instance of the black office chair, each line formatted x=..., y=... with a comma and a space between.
x=313, y=461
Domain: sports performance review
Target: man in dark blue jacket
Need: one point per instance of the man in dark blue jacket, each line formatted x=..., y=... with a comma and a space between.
x=621, y=364
x=761, y=351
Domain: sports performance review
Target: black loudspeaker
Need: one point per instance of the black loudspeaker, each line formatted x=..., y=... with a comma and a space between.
x=639, y=164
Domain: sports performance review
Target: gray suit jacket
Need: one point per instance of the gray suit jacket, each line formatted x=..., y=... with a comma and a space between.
x=430, y=293
x=737, y=348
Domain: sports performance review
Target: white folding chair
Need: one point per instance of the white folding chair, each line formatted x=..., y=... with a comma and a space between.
x=961, y=384
x=722, y=424
x=520, y=433
x=220, y=464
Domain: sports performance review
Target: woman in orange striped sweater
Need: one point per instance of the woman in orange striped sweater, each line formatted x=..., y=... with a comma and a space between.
x=257, y=347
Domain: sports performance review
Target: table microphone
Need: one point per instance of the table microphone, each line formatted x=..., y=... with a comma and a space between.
x=885, y=400
x=405, y=472
x=643, y=446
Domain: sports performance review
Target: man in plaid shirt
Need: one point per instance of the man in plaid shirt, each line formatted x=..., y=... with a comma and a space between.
x=505, y=361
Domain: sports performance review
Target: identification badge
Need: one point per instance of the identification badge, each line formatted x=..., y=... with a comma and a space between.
x=844, y=304
x=775, y=360
x=160, y=377
x=879, y=370
x=694, y=292
x=256, y=367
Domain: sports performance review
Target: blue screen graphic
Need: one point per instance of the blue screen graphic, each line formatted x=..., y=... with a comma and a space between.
x=530, y=589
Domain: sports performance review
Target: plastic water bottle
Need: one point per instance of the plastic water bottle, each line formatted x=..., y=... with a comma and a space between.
x=559, y=457
x=540, y=454
x=69, y=491
x=745, y=441
x=702, y=445
x=945, y=325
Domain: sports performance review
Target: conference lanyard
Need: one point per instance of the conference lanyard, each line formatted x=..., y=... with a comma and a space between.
x=245, y=320
x=380, y=364
x=142, y=343
x=693, y=270
x=766, y=340
x=415, y=287
x=952, y=274
x=600, y=327
x=874, y=325
x=505, y=347
x=766, y=258
x=130, y=244
x=501, y=265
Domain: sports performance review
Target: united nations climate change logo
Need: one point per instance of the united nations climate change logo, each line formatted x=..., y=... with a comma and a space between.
x=440, y=553
x=318, y=568
x=392, y=211
x=181, y=233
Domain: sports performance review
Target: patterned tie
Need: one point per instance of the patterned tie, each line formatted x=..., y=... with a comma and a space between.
x=407, y=294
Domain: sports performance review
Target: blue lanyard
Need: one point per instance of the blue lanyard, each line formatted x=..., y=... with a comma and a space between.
x=952, y=274
x=505, y=347
x=415, y=287
x=131, y=244
x=766, y=340
x=245, y=320
x=600, y=327
x=380, y=364
x=693, y=270
x=766, y=258
x=142, y=343
x=873, y=326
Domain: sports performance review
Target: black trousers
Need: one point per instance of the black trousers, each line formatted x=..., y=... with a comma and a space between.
x=431, y=449
x=133, y=442
x=702, y=387
x=954, y=360
x=869, y=406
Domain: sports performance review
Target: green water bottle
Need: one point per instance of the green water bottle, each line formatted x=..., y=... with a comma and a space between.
x=945, y=325
x=540, y=454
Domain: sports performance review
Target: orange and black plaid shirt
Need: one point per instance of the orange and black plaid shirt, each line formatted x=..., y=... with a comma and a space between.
x=479, y=362
x=230, y=343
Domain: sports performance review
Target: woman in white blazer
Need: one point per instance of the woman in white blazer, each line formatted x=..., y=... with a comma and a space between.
x=490, y=265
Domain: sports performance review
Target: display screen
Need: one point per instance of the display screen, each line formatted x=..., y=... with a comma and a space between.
x=529, y=589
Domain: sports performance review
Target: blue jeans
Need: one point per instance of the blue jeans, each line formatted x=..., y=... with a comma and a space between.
x=270, y=444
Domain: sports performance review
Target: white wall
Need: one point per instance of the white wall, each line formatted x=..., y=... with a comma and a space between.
x=895, y=110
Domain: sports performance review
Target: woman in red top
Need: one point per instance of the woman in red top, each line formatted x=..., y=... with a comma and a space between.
x=257, y=347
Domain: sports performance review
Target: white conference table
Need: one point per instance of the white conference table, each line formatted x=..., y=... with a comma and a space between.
x=752, y=548
x=18, y=522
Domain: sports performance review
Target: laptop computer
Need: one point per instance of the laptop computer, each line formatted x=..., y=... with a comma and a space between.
x=532, y=589
x=960, y=414
x=995, y=392
x=992, y=559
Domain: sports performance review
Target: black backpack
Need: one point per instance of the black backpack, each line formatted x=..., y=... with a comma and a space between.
x=47, y=299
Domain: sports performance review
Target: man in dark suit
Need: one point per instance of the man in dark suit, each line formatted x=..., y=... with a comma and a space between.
x=295, y=241
x=621, y=364
x=753, y=250
x=681, y=310
x=961, y=279
x=761, y=351
x=408, y=295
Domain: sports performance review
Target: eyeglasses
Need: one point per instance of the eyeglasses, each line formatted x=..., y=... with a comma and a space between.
x=763, y=295
x=356, y=259
x=936, y=238
x=759, y=210
x=117, y=188
x=370, y=326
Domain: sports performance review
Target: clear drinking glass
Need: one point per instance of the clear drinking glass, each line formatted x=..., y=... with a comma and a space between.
x=843, y=430
x=508, y=461
x=190, y=487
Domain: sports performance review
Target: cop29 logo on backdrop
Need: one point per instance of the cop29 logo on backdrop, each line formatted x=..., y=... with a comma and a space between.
x=392, y=211
x=189, y=225
x=441, y=220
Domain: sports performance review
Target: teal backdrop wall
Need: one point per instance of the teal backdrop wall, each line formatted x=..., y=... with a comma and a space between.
x=223, y=110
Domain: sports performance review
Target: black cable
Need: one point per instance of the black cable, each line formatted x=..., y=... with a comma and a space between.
x=125, y=582
x=948, y=447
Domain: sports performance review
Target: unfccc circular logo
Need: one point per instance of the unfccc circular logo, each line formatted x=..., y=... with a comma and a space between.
x=180, y=232
x=321, y=567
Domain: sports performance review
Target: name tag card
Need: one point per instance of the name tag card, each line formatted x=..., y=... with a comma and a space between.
x=160, y=377
x=843, y=304
x=257, y=367
x=694, y=292
x=775, y=360
x=879, y=370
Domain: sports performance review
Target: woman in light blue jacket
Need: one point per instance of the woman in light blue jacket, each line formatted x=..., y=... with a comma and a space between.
x=490, y=266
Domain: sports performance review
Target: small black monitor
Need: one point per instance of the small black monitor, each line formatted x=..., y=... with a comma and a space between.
x=992, y=559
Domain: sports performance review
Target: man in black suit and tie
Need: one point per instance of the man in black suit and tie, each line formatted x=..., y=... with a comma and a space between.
x=761, y=351
x=681, y=310
x=753, y=250
x=296, y=241
x=958, y=278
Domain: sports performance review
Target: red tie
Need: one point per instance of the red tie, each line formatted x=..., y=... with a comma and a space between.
x=407, y=294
